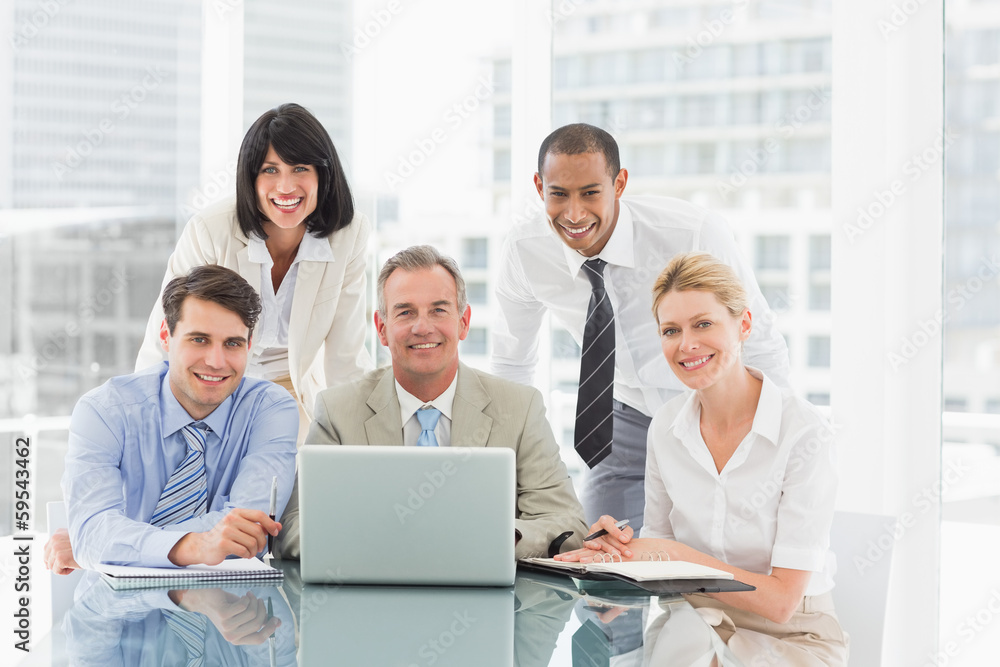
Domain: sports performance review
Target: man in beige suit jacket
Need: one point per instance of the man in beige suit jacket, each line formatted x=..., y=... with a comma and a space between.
x=422, y=316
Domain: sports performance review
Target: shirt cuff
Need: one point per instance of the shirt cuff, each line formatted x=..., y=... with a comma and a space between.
x=156, y=547
x=796, y=558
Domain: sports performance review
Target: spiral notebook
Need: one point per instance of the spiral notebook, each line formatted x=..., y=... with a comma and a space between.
x=122, y=577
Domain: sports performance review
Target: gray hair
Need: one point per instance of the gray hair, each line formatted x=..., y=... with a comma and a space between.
x=420, y=257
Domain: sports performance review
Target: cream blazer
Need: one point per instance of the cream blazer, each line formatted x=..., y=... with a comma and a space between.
x=326, y=333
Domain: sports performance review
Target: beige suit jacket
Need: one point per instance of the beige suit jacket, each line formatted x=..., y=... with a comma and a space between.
x=326, y=333
x=488, y=412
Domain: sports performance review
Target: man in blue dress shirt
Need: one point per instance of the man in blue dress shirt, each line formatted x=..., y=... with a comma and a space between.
x=173, y=465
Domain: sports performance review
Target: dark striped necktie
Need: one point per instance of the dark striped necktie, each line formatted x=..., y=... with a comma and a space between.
x=186, y=492
x=594, y=421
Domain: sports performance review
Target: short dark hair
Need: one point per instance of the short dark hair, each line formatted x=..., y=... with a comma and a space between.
x=216, y=284
x=581, y=138
x=421, y=257
x=298, y=138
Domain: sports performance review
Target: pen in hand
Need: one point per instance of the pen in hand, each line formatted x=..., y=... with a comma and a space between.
x=603, y=531
x=273, y=511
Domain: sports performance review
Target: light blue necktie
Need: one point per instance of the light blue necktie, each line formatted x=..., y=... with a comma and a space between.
x=428, y=419
x=186, y=492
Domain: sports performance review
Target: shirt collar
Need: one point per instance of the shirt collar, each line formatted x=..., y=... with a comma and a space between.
x=311, y=249
x=173, y=416
x=619, y=250
x=257, y=251
x=686, y=421
x=766, y=421
x=409, y=404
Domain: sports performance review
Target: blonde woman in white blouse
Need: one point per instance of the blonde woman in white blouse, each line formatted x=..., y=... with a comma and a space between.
x=740, y=476
x=292, y=232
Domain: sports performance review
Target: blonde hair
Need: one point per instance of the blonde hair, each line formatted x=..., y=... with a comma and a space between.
x=703, y=272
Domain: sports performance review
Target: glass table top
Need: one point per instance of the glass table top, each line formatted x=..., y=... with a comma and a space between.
x=541, y=620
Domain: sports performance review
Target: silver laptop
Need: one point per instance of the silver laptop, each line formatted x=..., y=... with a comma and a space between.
x=407, y=515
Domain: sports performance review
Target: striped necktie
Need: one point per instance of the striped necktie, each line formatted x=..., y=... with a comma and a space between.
x=190, y=627
x=428, y=418
x=594, y=422
x=186, y=492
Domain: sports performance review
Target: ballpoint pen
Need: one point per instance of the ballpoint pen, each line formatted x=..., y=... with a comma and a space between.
x=274, y=509
x=603, y=531
x=272, y=649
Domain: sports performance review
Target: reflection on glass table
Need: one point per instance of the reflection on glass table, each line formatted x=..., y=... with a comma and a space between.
x=543, y=620
x=211, y=626
x=529, y=625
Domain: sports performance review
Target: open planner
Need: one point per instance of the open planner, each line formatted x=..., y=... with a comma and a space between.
x=230, y=571
x=664, y=577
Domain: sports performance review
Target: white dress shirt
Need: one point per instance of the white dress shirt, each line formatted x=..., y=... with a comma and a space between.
x=410, y=404
x=269, y=351
x=539, y=272
x=772, y=504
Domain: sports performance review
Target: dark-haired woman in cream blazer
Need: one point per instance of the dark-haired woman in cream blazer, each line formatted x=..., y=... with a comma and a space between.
x=293, y=233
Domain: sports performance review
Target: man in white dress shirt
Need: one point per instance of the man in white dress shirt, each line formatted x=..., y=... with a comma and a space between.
x=581, y=182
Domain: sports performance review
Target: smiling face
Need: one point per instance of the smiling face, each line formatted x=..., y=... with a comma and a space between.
x=700, y=338
x=207, y=353
x=581, y=199
x=286, y=194
x=422, y=328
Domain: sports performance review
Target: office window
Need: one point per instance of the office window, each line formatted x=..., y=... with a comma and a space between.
x=818, y=398
x=955, y=404
x=819, y=252
x=745, y=60
x=697, y=158
x=501, y=120
x=745, y=109
x=648, y=159
x=386, y=209
x=475, y=253
x=475, y=342
x=501, y=75
x=819, y=296
x=501, y=165
x=105, y=350
x=819, y=351
x=697, y=110
x=648, y=113
x=476, y=292
x=563, y=73
x=144, y=286
x=772, y=252
x=648, y=65
x=806, y=155
x=776, y=295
